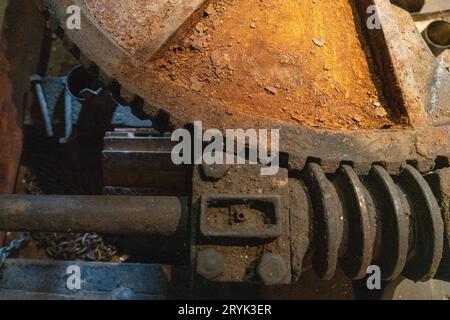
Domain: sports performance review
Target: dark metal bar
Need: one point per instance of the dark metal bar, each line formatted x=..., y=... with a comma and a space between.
x=47, y=280
x=121, y=215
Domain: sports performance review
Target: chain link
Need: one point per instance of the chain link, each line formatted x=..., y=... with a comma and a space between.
x=69, y=246
x=13, y=246
x=79, y=246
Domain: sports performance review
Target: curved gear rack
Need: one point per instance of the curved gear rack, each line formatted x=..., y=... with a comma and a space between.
x=419, y=94
x=346, y=198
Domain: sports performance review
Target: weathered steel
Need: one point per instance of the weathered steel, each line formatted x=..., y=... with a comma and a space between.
x=249, y=216
x=141, y=159
x=356, y=219
x=228, y=216
x=169, y=104
x=353, y=220
x=121, y=215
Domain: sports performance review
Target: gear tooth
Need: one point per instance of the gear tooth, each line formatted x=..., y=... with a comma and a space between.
x=127, y=96
x=68, y=43
x=329, y=165
x=395, y=168
x=89, y=65
x=362, y=168
x=105, y=78
x=424, y=165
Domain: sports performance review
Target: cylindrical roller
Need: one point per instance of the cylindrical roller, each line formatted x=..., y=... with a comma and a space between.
x=121, y=215
x=428, y=227
x=437, y=36
x=359, y=226
x=393, y=222
x=328, y=222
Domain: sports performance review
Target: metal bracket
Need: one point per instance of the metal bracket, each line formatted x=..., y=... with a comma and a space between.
x=240, y=216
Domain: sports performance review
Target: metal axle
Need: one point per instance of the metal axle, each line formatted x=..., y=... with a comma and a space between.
x=115, y=215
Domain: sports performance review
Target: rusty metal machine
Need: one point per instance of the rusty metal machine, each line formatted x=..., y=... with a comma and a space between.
x=363, y=114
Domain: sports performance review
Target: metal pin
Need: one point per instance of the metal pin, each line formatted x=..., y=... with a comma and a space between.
x=36, y=81
x=67, y=114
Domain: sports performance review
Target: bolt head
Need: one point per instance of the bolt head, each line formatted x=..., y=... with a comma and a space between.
x=272, y=269
x=210, y=264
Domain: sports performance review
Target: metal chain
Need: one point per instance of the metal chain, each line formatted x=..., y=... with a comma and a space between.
x=14, y=246
x=70, y=246
x=80, y=246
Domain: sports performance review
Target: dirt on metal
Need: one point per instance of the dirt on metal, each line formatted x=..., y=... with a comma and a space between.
x=303, y=62
x=129, y=22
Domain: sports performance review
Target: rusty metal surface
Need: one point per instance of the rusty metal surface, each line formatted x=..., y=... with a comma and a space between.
x=121, y=215
x=348, y=220
x=254, y=216
x=421, y=142
x=354, y=212
x=433, y=81
x=252, y=259
x=141, y=160
x=403, y=232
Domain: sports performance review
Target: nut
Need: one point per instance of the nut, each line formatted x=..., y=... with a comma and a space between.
x=210, y=264
x=272, y=269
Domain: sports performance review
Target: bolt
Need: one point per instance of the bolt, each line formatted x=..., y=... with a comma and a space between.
x=36, y=81
x=210, y=264
x=67, y=114
x=272, y=269
x=215, y=171
x=239, y=215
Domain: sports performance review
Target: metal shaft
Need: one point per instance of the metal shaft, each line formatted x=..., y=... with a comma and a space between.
x=115, y=215
x=67, y=115
x=44, y=108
